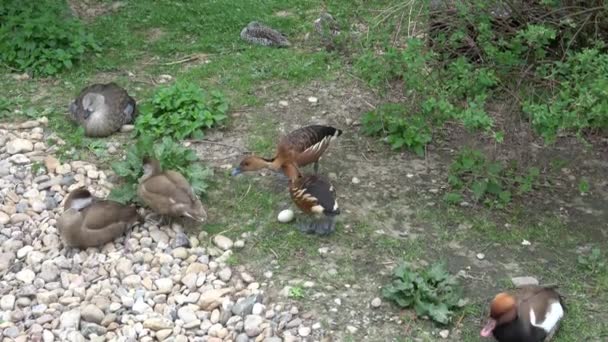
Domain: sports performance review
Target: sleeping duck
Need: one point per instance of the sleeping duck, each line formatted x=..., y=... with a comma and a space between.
x=257, y=33
x=91, y=222
x=316, y=197
x=169, y=193
x=528, y=314
x=303, y=146
x=103, y=109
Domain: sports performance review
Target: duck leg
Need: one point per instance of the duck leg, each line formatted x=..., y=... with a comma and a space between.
x=325, y=226
x=306, y=226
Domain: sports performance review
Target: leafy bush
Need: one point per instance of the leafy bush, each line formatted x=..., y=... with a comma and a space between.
x=434, y=96
x=580, y=100
x=492, y=183
x=402, y=131
x=593, y=262
x=170, y=154
x=181, y=110
x=432, y=292
x=40, y=37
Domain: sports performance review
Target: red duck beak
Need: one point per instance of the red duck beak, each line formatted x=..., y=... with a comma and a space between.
x=488, y=328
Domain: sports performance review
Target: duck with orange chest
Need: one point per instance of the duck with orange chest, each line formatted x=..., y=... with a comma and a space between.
x=303, y=146
x=316, y=197
x=528, y=314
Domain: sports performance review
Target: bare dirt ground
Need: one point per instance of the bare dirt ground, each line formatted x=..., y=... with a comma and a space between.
x=392, y=207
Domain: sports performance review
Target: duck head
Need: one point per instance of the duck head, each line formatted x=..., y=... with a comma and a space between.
x=503, y=309
x=251, y=163
x=151, y=167
x=91, y=103
x=78, y=199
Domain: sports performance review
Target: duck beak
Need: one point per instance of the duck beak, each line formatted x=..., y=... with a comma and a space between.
x=87, y=113
x=488, y=328
x=236, y=171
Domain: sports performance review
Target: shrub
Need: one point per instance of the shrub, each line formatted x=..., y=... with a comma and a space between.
x=180, y=111
x=170, y=154
x=412, y=132
x=580, y=99
x=432, y=292
x=40, y=37
x=492, y=183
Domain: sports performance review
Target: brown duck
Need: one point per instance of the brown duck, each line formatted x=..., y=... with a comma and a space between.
x=528, y=314
x=103, y=109
x=303, y=146
x=316, y=197
x=169, y=193
x=91, y=222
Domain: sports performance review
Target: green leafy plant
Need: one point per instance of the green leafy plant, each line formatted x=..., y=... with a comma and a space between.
x=583, y=186
x=41, y=37
x=170, y=154
x=180, y=111
x=594, y=262
x=431, y=292
x=580, y=100
x=489, y=182
x=402, y=131
x=296, y=292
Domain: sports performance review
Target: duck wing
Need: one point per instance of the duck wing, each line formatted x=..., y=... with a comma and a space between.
x=307, y=144
x=121, y=104
x=317, y=195
x=103, y=214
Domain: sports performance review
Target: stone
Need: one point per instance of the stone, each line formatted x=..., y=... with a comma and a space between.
x=47, y=297
x=524, y=281
x=376, y=302
x=124, y=267
x=11, y=332
x=480, y=256
x=356, y=180
x=156, y=324
x=26, y=276
x=131, y=281
x=51, y=163
x=49, y=272
x=164, y=285
x=222, y=242
x=48, y=336
x=19, y=159
x=180, y=240
x=19, y=145
x=313, y=100
x=444, y=333
x=4, y=218
x=162, y=335
x=180, y=253
x=159, y=236
x=252, y=325
x=92, y=313
x=7, y=302
x=186, y=314
x=258, y=309
x=70, y=319
x=304, y=331
x=245, y=306
x=211, y=299
x=87, y=329
x=225, y=274
x=283, y=103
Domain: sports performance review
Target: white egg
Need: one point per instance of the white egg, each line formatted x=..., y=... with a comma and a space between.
x=285, y=216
